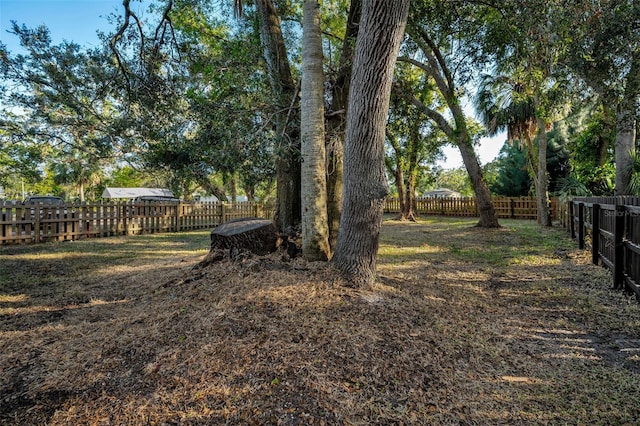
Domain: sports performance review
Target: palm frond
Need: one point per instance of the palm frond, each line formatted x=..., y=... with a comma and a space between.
x=570, y=186
x=634, y=172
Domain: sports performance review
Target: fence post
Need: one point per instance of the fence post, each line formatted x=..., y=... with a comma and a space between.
x=581, y=225
x=36, y=223
x=178, y=216
x=618, y=261
x=572, y=222
x=595, y=234
x=512, y=208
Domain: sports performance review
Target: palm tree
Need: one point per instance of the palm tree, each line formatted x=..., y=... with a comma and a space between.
x=315, y=227
x=506, y=102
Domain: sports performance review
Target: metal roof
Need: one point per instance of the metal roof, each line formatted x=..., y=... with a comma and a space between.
x=136, y=192
x=442, y=192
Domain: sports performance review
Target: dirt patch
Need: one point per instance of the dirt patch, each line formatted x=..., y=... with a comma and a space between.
x=464, y=326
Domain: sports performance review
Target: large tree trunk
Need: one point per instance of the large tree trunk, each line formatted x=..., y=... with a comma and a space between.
x=288, y=204
x=365, y=184
x=315, y=229
x=336, y=120
x=542, y=188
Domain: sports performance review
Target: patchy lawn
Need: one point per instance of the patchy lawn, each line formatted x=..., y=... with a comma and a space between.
x=465, y=326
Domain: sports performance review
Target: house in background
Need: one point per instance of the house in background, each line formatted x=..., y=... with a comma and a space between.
x=442, y=193
x=131, y=193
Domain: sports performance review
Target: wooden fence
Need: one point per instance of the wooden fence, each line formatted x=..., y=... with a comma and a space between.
x=610, y=228
x=23, y=224
x=506, y=207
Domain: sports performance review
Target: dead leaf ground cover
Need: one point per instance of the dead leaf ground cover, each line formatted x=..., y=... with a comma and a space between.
x=464, y=326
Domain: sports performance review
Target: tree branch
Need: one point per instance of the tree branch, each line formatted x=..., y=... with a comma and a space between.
x=438, y=118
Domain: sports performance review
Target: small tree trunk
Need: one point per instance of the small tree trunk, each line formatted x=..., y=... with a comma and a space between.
x=288, y=207
x=415, y=145
x=334, y=157
x=402, y=194
x=396, y=167
x=542, y=192
x=250, y=190
x=410, y=204
x=604, y=139
x=488, y=217
x=215, y=190
x=231, y=184
x=365, y=185
x=82, y=191
x=625, y=149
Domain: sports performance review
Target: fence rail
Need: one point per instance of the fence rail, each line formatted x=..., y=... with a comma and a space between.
x=24, y=224
x=506, y=207
x=610, y=228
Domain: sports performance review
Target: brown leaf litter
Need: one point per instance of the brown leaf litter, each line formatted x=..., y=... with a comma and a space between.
x=445, y=336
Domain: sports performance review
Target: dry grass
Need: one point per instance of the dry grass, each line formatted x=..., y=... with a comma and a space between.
x=465, y=326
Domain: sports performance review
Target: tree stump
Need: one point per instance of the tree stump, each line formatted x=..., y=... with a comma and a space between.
x=258, y=236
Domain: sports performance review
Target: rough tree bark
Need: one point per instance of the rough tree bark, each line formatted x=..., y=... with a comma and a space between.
x=336, y=119
x=315, y=229
x=365, y=185
x=288, y=208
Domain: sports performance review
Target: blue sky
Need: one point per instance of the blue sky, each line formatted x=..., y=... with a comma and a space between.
x=78, y=20
x=72, y=20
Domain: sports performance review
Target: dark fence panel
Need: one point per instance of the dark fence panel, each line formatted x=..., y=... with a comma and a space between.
x=610, y=228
